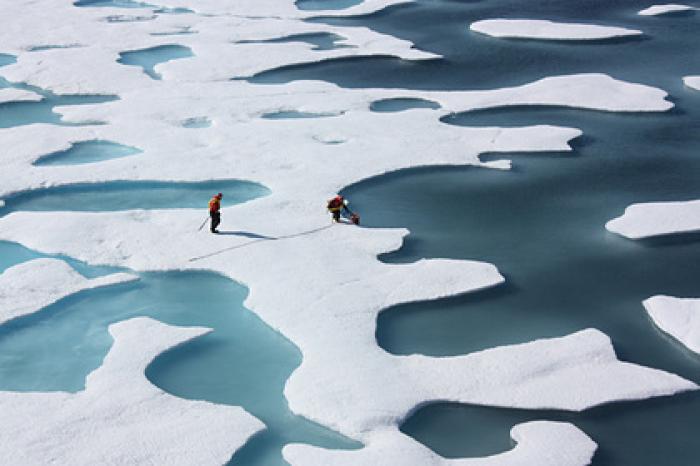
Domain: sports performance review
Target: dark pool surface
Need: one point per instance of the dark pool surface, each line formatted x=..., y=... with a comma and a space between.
x=542, y=223
x=320, y=41
x=148, y=58
x=129, y=195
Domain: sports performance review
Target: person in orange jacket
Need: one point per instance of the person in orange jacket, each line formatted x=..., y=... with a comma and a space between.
x=339, y=204
x=214, y=212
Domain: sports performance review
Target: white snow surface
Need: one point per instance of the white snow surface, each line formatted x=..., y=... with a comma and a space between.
x=657, y=218
x=10, y=94
x=679, y=317
x=692, y=81
x=322, y=286
x=120, y=418
x=30, y=286
x=548, y=30
x=540, y=443
x=656, y=10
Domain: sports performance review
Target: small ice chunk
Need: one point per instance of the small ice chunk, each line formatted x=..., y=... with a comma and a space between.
x=679, y=317
x=657, y=218
x=11, y=94
x=692, y=81
x=548, y=30
x=664, y=9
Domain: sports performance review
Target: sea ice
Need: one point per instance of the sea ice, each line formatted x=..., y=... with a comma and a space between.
x=656, y=10
x=548, y=30
x=11, y=94
x=120, y=418
x=657, y=218
x=692, y=81
x=679, y=317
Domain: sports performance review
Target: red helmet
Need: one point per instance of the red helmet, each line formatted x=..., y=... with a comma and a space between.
x=219, y=196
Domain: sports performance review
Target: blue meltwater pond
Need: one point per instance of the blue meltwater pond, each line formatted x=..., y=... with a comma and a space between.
x=242, y=362
x=129, y=195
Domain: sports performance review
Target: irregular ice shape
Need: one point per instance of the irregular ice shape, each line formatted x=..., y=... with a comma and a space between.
x=541, y=443
x=692, y=81
x=656, y=10
x=679, y=317
x=548, y=30
x=11, y=94
x=657, y=218
x=120, y=418
x=33, y=285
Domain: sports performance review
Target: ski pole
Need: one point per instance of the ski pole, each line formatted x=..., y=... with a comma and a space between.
x=202, y=225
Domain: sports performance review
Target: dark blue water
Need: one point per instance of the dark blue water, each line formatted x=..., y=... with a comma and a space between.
x=320, y=40
x=86, y=152
x=542, y=223
x=148, y=58
x=401, y=104
x=128, y=195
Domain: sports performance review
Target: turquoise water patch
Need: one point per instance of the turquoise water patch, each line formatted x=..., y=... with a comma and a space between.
x=148, y=58
x=12, y=254
x=320, y=40
x=6, y=59
x=86, y=152
x=401, y=104
x=14, y=114
x=294, y=114
x=128, y=195
x=112, y=4
x=242, y=362
x=196, y=122
x=326, y=4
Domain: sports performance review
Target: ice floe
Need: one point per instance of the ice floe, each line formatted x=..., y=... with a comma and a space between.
x=539, y=442
x=656, y=10
x=120, y=417
x=548, y=30
x=657, y=218
x=692, y=81
x=30, y=286
x=679, y=317
x=11, y=94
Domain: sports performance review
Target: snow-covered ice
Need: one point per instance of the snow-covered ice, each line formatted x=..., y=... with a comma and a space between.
x=11, y=94
x=120, y=418
x=692, y=81
x=548, y=30
x=30, y=286
x=657, y=218
x=656, y=10
x=679, y=317
x=542, y=443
